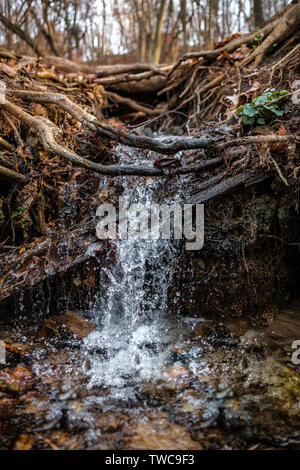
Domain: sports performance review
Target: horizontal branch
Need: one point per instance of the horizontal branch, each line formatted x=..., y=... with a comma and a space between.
x=242, y=179
x=49, y=143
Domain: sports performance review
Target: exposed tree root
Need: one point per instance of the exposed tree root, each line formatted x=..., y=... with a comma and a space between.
x=284, y=28
x=49, y=143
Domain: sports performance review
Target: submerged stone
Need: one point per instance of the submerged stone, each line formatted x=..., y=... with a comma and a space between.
x=67, y=325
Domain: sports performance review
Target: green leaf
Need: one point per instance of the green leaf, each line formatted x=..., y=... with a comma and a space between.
x=249, y=121
x=240, y=109
x=277, y=112
x=260, y=99
x=261, y=121
x=201, y=263
x=249, y=110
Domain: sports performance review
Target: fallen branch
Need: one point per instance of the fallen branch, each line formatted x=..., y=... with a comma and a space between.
x=131, y=104
x=11, y=174
x=242, y=179
x=229, y=47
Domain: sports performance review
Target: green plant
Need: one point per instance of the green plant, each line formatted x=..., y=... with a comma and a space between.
x=264, y=107
x=258, y=38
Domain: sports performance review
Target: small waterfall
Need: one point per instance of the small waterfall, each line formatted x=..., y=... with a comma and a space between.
x=134, y=331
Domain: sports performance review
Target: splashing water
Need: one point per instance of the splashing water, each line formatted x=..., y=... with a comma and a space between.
x=134, y=332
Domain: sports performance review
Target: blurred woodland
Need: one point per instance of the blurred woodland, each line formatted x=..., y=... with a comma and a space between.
x=125, y=31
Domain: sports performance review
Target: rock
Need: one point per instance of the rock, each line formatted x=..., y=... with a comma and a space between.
x=156, y=432
x=67, y=325
x=15, y=380
x=7, y=407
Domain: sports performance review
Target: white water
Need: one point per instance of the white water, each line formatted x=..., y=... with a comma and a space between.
x=134, y=332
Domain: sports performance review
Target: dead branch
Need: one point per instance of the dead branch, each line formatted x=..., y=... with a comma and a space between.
x=256, y=139
x=66, y=65
x=131, y=104
x=242, y=179
x=11, y=174
x=229, y=47
x=6, y=144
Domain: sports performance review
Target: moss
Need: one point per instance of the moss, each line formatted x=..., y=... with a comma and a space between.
x=22, y=220
x=262, y=213
x=18, y=213
x=281, y=213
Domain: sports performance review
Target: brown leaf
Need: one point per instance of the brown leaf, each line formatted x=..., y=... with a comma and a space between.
x=24, y=442
x=279, y=147
x=225, y=56
x=226, y=40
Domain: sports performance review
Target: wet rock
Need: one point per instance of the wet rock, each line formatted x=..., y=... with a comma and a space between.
x=162, y=393
x=7, y=406
x=179, y=356
x=158, y=433
x=148, y=132
x=111, y=422
x=67, y=325
x=15, y=380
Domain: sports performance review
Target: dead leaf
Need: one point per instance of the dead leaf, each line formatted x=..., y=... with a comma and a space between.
x=24, y=442
x=279, y=147
x=226, y=40
x=225, y=56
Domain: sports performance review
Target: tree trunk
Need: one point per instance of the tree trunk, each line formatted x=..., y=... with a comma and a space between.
x=258, y=13
x=157, y=46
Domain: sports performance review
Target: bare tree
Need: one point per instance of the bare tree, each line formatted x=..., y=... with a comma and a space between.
x=157, y=44
x=258, y=13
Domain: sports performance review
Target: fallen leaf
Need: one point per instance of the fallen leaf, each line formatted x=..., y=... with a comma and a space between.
x=24, y=442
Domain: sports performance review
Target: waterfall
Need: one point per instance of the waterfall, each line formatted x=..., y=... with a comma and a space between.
x=134, y=330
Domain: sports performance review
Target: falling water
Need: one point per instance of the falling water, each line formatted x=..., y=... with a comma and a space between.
x=134, y=332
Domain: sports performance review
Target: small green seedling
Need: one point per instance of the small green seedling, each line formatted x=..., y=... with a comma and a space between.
x=258, y=38
x=264, y=107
